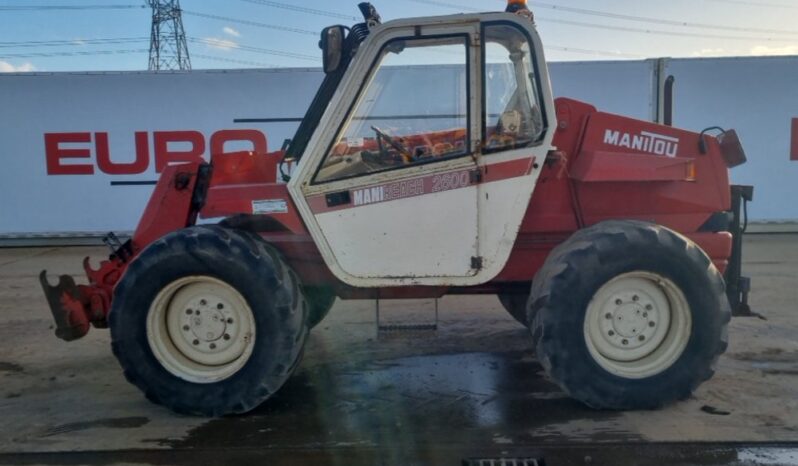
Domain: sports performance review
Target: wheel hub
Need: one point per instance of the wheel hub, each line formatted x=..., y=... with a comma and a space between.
x=205, y=329
x=631, y=319
x=630, y=327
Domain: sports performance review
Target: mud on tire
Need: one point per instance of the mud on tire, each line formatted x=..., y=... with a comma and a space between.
x=251, y=267
x=590, y=260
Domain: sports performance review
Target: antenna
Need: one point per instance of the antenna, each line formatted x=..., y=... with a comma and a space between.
x=168, y=45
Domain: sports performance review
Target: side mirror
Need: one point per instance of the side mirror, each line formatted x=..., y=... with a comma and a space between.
x=332, y=47
x=732, y=149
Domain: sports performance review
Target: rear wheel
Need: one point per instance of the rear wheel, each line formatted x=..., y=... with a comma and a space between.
x=629, y=315
x=208, y=321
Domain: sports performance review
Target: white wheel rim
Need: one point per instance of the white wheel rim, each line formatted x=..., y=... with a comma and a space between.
x=637, y=325
x=201, y=329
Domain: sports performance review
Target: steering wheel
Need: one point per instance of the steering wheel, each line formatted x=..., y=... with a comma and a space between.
x=403, y=151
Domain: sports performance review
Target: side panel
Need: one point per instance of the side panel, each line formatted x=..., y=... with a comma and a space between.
x=681, y=205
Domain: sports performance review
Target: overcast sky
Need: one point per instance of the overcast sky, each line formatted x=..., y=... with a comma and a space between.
x=222, y=35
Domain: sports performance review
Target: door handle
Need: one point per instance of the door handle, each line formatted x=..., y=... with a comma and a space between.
x=339, y=198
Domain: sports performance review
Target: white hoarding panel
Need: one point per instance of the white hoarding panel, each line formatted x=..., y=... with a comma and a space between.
x=758, y=98
x=75, y=145
x=623, y=87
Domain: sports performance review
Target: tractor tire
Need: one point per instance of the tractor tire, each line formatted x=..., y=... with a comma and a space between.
x=320, y=300
x=629, y=315
x=208, y=321
x=517, y=306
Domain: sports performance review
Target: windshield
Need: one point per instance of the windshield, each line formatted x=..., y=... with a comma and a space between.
x=413, y=110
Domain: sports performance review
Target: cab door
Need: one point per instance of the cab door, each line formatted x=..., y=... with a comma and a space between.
x=391, y=194
x=425, y=161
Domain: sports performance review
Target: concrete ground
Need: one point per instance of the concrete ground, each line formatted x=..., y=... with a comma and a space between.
x=473, y=388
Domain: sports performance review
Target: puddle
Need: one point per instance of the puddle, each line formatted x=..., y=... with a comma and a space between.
x=449, y=399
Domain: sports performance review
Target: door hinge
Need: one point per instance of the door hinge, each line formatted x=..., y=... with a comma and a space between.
x=476, y=263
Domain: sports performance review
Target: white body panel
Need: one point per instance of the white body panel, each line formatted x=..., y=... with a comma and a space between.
x=406, y=240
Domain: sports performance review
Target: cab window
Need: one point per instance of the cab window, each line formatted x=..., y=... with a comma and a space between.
x=513, y=115
x=414, y=110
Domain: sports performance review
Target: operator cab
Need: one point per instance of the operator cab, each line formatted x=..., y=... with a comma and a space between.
x=434, y=126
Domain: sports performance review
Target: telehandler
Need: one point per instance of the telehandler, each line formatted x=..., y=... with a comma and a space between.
x=433, y=160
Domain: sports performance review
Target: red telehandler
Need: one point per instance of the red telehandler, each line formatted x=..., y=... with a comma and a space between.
x=433, y=160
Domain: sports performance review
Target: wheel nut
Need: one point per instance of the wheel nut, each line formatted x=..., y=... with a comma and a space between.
x=188, y=311
x=625, y=342
x=186, y=328
x=652, y=324
x=213, y=345
x=203, y=302
x=618, y=302
x=649, y=307
x=645, y=314
x=196, y=342
x=226, y=336
x=220, y=306
x=635, y=298
x=642, y=338
x=230, y=320
x=608, y=315
x=611, y=333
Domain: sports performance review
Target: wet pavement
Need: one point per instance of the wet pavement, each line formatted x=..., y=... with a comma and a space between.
x=457, y=399
x=472, y=389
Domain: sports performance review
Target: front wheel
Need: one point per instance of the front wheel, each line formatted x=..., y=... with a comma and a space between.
x=629, y=315
x=208, y=321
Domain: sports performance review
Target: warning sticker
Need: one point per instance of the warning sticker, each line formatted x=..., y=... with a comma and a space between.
x=269, y=206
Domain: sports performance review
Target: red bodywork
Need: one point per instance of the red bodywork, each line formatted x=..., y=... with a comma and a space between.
x=605, y=167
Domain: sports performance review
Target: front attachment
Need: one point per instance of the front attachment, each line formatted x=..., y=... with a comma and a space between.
x=67, y=304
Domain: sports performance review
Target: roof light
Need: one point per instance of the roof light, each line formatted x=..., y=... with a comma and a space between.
x=520, y=7
x=516, y=5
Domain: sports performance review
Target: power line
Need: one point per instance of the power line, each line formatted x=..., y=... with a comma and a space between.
x=248, y=48
x=233, y=60
x=582, y=51
x=544, y=19
x=644, y=19
x=68, y=7
x=74, y=42
x=72, y=54
x=301, y=9
x=251, y=23
x=756, y=4
x=659, y=32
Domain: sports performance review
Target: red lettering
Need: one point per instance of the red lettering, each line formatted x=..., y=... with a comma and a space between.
x=794, y=152
x=164, y=156
x=257, y=138
x=55, y=154
x=137, y=166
